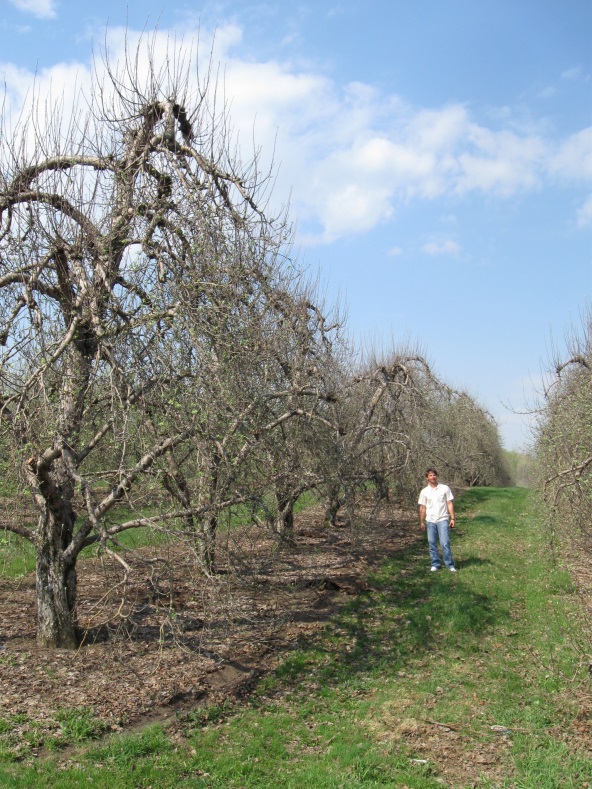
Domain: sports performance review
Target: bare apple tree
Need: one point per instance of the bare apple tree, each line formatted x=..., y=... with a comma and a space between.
x=392, y=419
x=462, y=439
x=139, y=282
x=563, y=446
x=258, y=377
x=294, y=460
x=371, y=445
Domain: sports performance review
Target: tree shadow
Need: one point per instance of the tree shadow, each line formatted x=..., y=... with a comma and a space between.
x=407, y=615
x=487, y=520
x=475, y=496
x=473, y=561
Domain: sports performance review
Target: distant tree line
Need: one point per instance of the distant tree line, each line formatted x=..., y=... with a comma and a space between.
x=164, y=360
x=521, y=467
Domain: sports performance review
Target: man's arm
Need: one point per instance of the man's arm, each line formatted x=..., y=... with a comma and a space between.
x=422, y=514
x=450, y=506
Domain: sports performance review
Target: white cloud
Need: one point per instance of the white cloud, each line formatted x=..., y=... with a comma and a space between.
x=574, y=157
x=44, y=96
x=572, y=73
x=68, y=88
x=394, y=252
x=350, y=155
x=447, y=247
x=501, y=162
x=449, y=219
x=44, y=9
x=438, y=130
x=584, y=214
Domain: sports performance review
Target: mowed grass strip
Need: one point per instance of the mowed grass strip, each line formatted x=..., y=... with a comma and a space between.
x=428, y=680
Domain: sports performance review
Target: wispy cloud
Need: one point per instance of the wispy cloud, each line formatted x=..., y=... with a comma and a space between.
x=572, y=73
x=447, y=247
x=584, y=215
x=43, y=9
x=573, y=159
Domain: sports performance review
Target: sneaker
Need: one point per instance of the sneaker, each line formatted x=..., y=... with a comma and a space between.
x=434, y=569
x=453, y=569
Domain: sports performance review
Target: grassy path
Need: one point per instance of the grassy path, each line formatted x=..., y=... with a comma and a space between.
x=429, y=680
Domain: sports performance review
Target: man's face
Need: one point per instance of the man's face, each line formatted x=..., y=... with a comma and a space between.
x=432, y=478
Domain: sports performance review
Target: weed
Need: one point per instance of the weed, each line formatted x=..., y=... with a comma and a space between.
x=204, y=716
x=79, y=723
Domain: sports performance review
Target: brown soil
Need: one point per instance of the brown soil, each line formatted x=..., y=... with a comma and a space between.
x=177, y=641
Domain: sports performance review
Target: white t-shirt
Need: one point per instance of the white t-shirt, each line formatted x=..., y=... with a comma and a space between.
x=434, y=500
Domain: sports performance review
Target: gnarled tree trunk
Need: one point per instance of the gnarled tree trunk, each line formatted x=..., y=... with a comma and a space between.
x=55, y=584
x=284, y=521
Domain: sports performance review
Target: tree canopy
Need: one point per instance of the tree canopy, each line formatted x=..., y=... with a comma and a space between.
x=163, y=357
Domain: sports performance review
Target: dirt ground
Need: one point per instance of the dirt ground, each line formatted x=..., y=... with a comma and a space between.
x=176, y=641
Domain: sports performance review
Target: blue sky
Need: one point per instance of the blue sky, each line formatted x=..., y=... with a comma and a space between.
x=437, y=154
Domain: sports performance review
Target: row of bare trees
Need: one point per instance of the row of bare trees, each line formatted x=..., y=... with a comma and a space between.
x=563, y=447
x=163, y=361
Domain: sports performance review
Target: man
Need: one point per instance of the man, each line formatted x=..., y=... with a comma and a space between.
x=436, y=511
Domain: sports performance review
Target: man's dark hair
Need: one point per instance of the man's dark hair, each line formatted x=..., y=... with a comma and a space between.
x=429, y=470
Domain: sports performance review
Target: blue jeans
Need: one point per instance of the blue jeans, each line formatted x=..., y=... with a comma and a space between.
x=439, y=531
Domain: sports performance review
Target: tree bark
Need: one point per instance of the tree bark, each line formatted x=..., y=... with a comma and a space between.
x=284, y=522
x=56, y=588
x=333, y=506
x=207, y=544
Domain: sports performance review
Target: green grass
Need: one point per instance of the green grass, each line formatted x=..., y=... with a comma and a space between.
x=365, y=704
x=17, y=555
x=79, y=724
